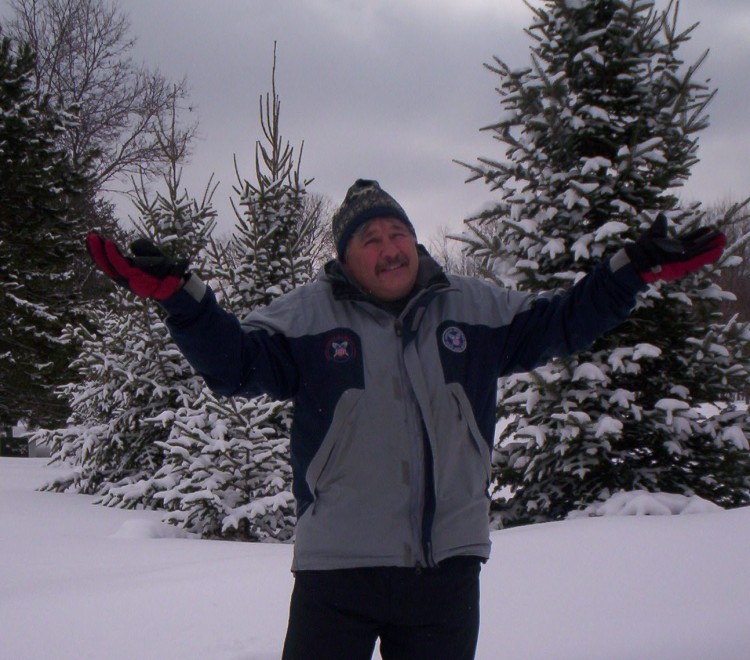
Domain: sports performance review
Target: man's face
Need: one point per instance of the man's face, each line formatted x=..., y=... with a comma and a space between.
x=382, y=257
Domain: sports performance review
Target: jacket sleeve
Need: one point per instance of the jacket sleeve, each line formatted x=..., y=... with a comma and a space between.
x=231, y=358
x=559, y=323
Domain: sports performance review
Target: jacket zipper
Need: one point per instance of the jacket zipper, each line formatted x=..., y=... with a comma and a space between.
x=415, y=469
x=428, y=480
x=429, y=498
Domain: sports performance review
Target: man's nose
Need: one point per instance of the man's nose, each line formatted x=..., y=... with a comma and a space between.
x=390, y=248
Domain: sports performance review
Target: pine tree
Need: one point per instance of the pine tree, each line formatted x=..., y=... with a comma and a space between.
x=41, y=195
x=227, y=473
x=132, y=376
x=600, y=129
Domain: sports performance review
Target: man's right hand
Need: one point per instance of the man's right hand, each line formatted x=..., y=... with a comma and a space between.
x=149, y=273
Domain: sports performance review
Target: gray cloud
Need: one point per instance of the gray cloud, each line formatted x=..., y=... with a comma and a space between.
x=396, y=90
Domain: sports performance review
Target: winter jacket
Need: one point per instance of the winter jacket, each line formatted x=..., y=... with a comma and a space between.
x=394, y=414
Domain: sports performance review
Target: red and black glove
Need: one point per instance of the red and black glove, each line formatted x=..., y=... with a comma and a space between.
x=658, y=257
x=149, y=273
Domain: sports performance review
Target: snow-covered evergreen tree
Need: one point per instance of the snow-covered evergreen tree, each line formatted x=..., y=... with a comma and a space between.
x=41, y=196
x=227, y=473
x=600, y=129
x=131, y=374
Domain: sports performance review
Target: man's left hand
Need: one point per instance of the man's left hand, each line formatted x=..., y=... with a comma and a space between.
x=659, y=257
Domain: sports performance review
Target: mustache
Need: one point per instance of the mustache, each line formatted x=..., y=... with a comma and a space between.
x=389, y=262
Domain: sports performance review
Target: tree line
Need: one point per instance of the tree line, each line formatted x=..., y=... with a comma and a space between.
x=596, y=134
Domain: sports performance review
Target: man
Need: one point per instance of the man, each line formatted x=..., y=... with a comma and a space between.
x=392, y=366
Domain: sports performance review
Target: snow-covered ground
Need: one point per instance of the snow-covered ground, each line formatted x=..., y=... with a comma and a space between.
x=79, y=581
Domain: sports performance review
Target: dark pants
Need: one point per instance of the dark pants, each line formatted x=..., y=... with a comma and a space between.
x=429, y=613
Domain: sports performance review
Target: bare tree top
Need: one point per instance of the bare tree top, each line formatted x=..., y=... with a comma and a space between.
x=83, y=60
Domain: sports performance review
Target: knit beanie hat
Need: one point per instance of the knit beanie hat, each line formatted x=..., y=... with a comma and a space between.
x=364, y=201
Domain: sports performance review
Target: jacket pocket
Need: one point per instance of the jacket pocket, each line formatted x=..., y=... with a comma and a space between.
x=479, y=446
x=335, y=440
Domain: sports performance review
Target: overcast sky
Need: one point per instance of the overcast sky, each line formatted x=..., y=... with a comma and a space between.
x=396, y=90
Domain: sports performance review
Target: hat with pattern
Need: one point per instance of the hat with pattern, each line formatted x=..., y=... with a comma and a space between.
x=364, y=201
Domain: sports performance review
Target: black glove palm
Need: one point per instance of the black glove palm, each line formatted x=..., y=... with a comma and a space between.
x=658, y=257
x=149, y=273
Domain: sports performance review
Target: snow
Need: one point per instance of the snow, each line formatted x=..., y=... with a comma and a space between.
x=85, y=581
x=593, y=111
x=646, y=350
x=554, y=247
x=736, y=435
x=609, y=229
x=589, y=371
x=643, y=503
x=670, y=405
x=621, y=397
x=594, y=164
x=606, y=425
x=580, y=249
x=536, y=432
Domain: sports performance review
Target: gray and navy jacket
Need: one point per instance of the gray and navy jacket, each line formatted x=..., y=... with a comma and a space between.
x=394, y=411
